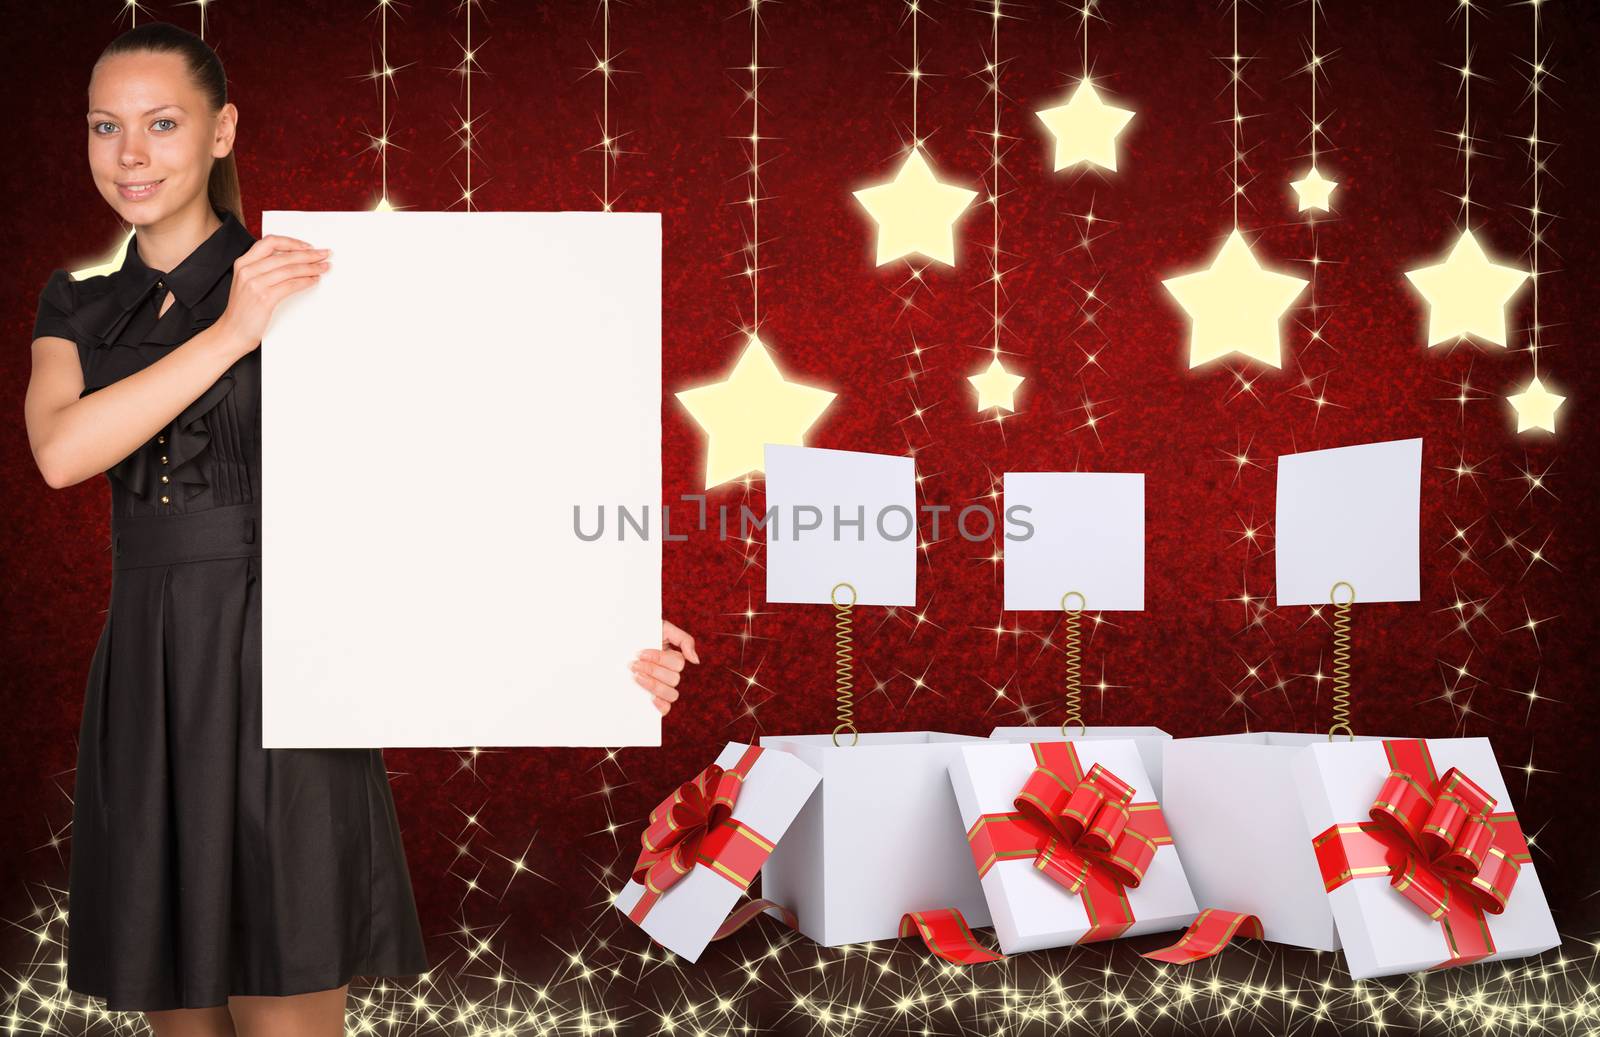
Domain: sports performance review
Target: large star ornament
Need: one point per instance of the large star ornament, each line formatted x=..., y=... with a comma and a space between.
x=1536, y=406
x=754, y=407
x=996, y=386
x=1467, y=293
x=1085, y=128
x=1235, y=305
x=915, y=212
x=1314, y=190
x=110, y=266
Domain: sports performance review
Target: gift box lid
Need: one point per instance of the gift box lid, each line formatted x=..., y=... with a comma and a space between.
x=1407, y=902
x=706, y=841
x=1032, y=910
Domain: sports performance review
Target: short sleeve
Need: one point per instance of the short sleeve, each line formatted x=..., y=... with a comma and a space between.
x=56, y=301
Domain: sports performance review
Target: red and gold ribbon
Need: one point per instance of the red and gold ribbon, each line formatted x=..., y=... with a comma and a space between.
x=1207, y=935
x=1438, y=841
x=947, y=934
x=1081, y=830
x=695, y=826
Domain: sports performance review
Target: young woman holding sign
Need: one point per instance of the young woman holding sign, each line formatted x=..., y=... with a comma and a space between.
x=217, y=886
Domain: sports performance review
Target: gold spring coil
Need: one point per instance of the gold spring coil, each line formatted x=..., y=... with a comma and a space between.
x=1341, y=661
x=844, y=667
x=1074, y=713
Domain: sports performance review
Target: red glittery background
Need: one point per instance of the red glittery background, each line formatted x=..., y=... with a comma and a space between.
x=835, y=109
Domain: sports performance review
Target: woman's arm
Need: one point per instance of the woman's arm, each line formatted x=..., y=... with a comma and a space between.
x=74, y=439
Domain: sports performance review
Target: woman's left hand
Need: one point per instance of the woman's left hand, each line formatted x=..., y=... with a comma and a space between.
x=657, y=670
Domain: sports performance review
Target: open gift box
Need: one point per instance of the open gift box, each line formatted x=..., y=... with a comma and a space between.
x=1068, y=842
x=882, y=837
x=704, y=844
x=1269, y=823
x=1150, y=741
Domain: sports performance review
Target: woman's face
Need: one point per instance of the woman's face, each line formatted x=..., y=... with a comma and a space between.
x=149, y=123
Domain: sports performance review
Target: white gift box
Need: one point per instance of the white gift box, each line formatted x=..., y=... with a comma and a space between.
x=1383, y=932
x=1029, y=909
x=688, y=913
x=1150, y=741
x=881, y=837
x=1232, y=804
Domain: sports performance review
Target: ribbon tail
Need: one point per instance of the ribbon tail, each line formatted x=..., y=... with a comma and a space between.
x=1207, y=935
x=947, y=935
x=748, y=912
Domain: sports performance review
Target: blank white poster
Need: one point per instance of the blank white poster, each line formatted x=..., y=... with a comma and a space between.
x=1350, y=514
x=840, y=516
x=460, y=395
x=1087, y=536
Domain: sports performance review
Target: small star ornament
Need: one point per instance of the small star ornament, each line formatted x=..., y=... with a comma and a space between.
x=1314, y=190
x=1235, y=305
x=915, y=212
x=1085, y=128
x=1536, y=406
x=753, y=407
x=1467, y=293
x=996, y=386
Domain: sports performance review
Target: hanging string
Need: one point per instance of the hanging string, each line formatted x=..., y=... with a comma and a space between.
x=1341, y=661
x=844, y=666
x=1074, y=688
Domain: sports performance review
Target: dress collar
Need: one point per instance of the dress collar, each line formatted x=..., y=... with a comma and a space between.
x=196, y=275
x=200, y=282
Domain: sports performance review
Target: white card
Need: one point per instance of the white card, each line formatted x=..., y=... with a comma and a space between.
x=811, y=486
x=1088, y=536
x=1352, y=513
x=433, y=412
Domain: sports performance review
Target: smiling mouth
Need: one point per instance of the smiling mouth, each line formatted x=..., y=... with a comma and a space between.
x=134, y=192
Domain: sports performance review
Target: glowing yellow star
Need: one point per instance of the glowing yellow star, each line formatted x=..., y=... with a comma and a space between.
x=1235, y=305
x=754, y=407
x=1314, y=190
x=110, y=266
x=996, y=386
x=1085, y=128
x=1536, y=406
x=1467, y=294
x=915, y=212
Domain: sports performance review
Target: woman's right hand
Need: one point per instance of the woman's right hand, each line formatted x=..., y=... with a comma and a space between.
x=273, y=269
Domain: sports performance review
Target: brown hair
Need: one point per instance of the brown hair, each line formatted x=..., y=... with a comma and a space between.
x=205, y=68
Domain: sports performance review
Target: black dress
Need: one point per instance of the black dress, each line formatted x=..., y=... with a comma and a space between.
x=203, y=865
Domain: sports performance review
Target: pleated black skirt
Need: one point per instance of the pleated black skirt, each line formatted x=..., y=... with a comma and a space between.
x=203, y=865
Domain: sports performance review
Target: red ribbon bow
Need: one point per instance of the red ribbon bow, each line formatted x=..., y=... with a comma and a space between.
x=695, y=826
x=687, y=828
x=1440, y=844
x=1086, y=825
x=1082, y=830
x=1451, y=852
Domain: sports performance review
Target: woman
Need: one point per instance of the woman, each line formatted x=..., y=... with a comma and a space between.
x=216, y=886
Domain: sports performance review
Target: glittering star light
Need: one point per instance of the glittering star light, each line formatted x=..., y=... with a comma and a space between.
x=1314, y=190
x=1467, y=294
x=755, y=406
x=915, y=212
x=1536, y=406
x=1235, y=305
x=996, y=386
x=1085, y=128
